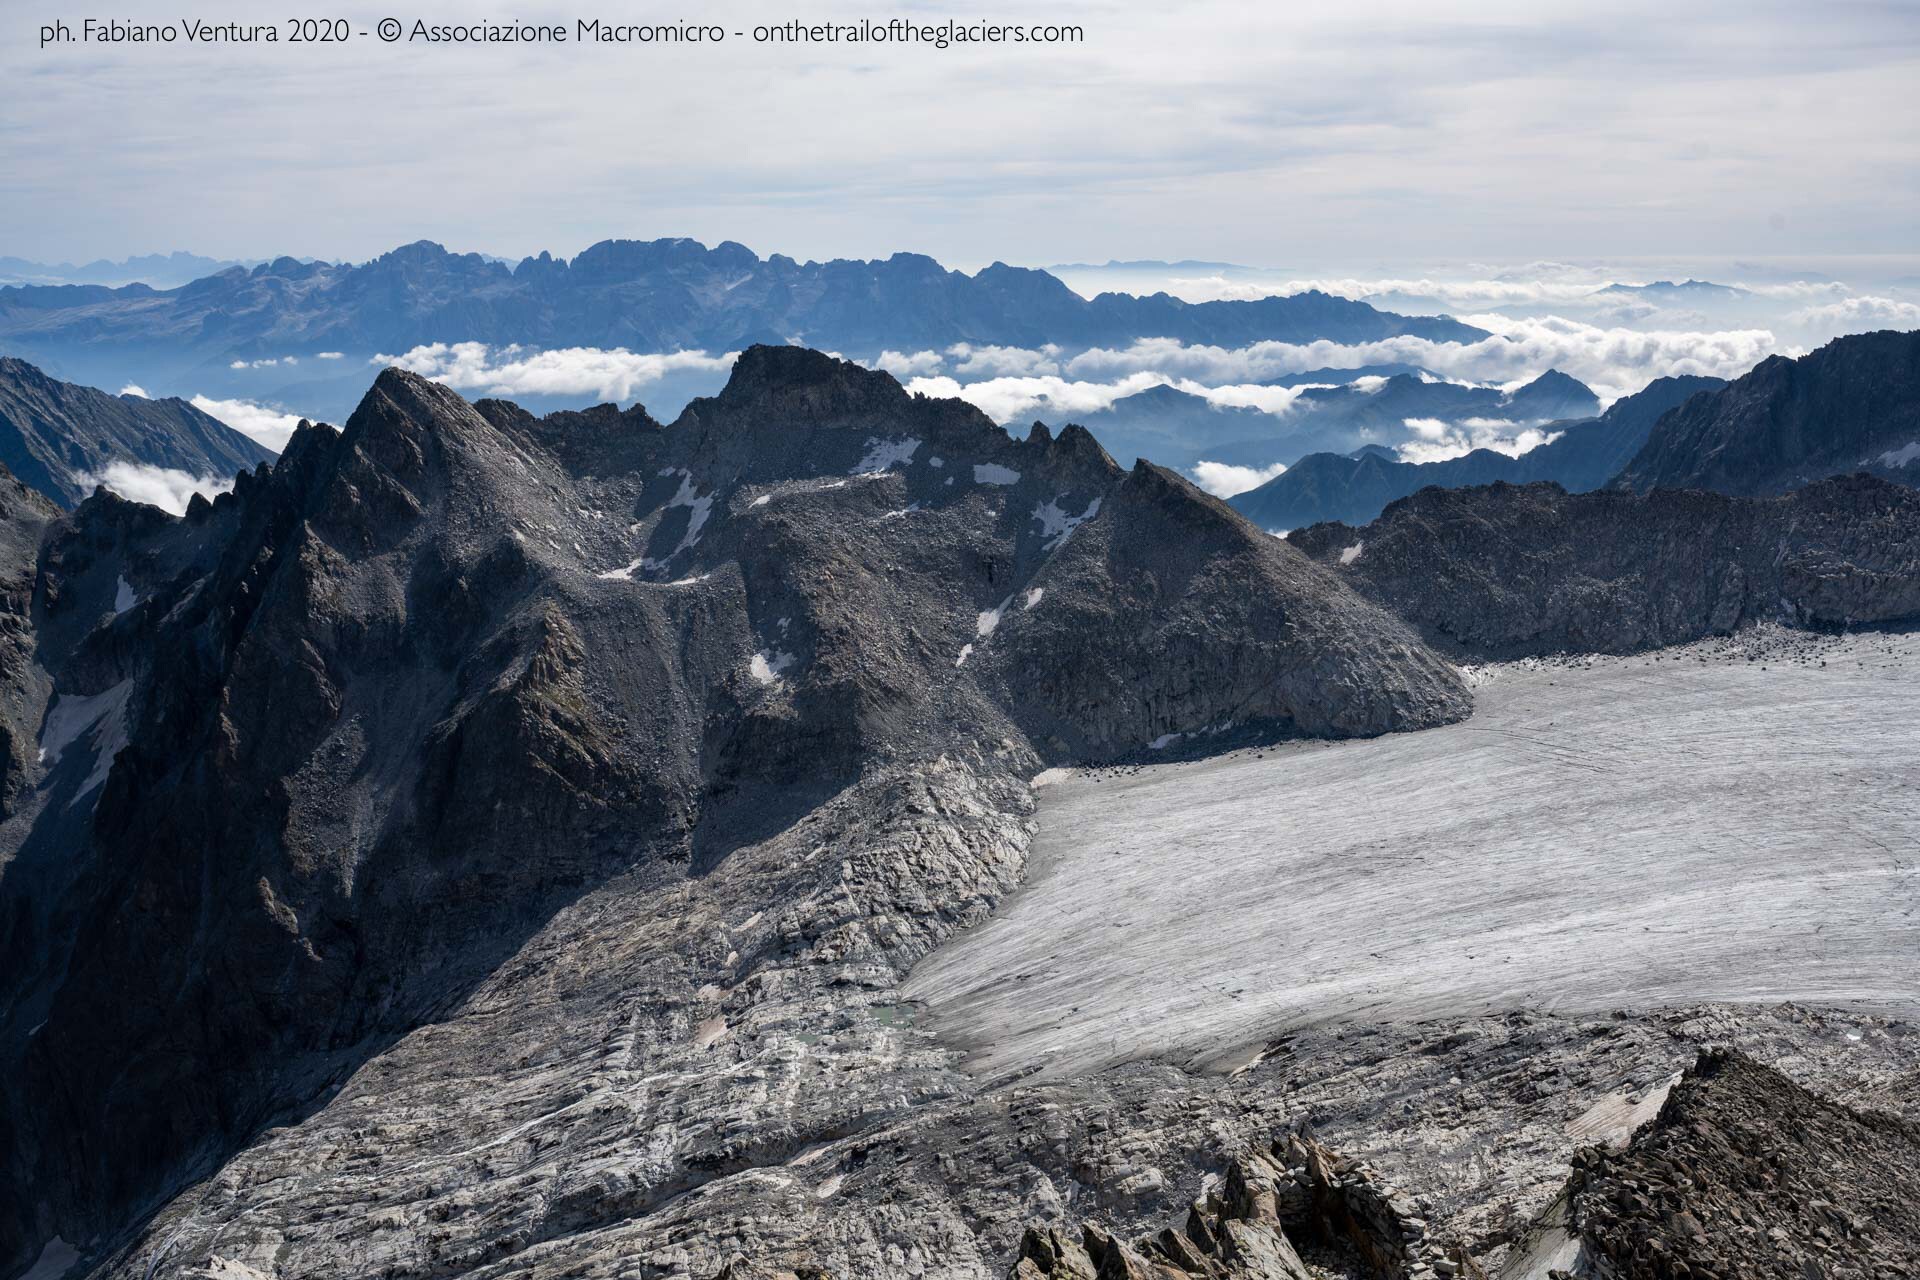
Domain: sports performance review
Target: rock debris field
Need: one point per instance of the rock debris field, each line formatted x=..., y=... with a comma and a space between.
x=1729, y=821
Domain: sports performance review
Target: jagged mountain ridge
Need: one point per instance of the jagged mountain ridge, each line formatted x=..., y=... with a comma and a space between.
x=661, y=295
x=333, y=746
x=1355, y=488
x=1852, y=405
x=59, y=437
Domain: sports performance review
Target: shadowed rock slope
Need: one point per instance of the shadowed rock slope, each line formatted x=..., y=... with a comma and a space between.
x=59, y=437
x=1504, y=571
x=568, y=758
x=1853, y=405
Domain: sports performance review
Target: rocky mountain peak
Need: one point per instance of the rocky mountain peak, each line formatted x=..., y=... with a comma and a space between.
x=807, y=384
x=1851, y=405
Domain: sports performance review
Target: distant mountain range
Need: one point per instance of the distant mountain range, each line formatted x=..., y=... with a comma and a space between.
x=1356, y=487
x=1179, y=429
x=60, y=438
x=645, y=296
x=1675, y=291
x=1852, y=405
x=160, y=270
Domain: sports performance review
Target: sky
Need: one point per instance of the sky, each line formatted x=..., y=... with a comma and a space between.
x=1305, y=137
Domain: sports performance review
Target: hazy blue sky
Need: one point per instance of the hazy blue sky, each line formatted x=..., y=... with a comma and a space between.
x=1300, y=134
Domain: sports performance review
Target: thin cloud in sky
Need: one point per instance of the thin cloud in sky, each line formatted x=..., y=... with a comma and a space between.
x=1216, y=129
x=269, y=428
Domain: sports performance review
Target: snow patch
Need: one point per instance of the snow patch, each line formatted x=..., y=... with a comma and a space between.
x=994, y=473
x=1164, y=741
x=618, y=575
x=762, y=500
x=1352, y=553
x=883, y=454
x=1033, y=596
x=966, y=651
x=1902, y=456
x=123, y=597
x=907, y=510
x=701, y=506
x=766, y=665
x=101, y=716
x=1056, y=526
x=54, y=1261
x=990, y=619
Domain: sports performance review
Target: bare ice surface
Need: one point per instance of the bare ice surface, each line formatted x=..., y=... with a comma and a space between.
x=1624, y=833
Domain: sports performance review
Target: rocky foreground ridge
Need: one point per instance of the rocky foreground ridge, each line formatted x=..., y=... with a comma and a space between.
x=705, y=731
x=1741, y=1174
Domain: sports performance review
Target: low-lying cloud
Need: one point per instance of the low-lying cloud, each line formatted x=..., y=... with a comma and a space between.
x=162, y=487
x=1064, y=399
x=1855, y=314
x=1437, y=441
x=1224, y=480
x=268, y=428
x=610, y=374
x=1613, y=361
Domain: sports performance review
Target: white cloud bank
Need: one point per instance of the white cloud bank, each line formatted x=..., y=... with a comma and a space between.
x=1224, y=480
x=611, y=374
x=163, y=487
x=1437, y=441
x=1613, y=361
x=135, y=389
x=1011, y=398
x=267, y=427
x=1854, y=315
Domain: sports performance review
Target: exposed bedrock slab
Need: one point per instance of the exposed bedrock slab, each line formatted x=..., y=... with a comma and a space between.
x=1621, y=832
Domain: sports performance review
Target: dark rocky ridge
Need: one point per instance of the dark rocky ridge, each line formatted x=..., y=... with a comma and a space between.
x=24, y=516
x=1506, y=571
x=370, y=721
x=1853, y=405
x=1355, y=488
x=58, y=437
